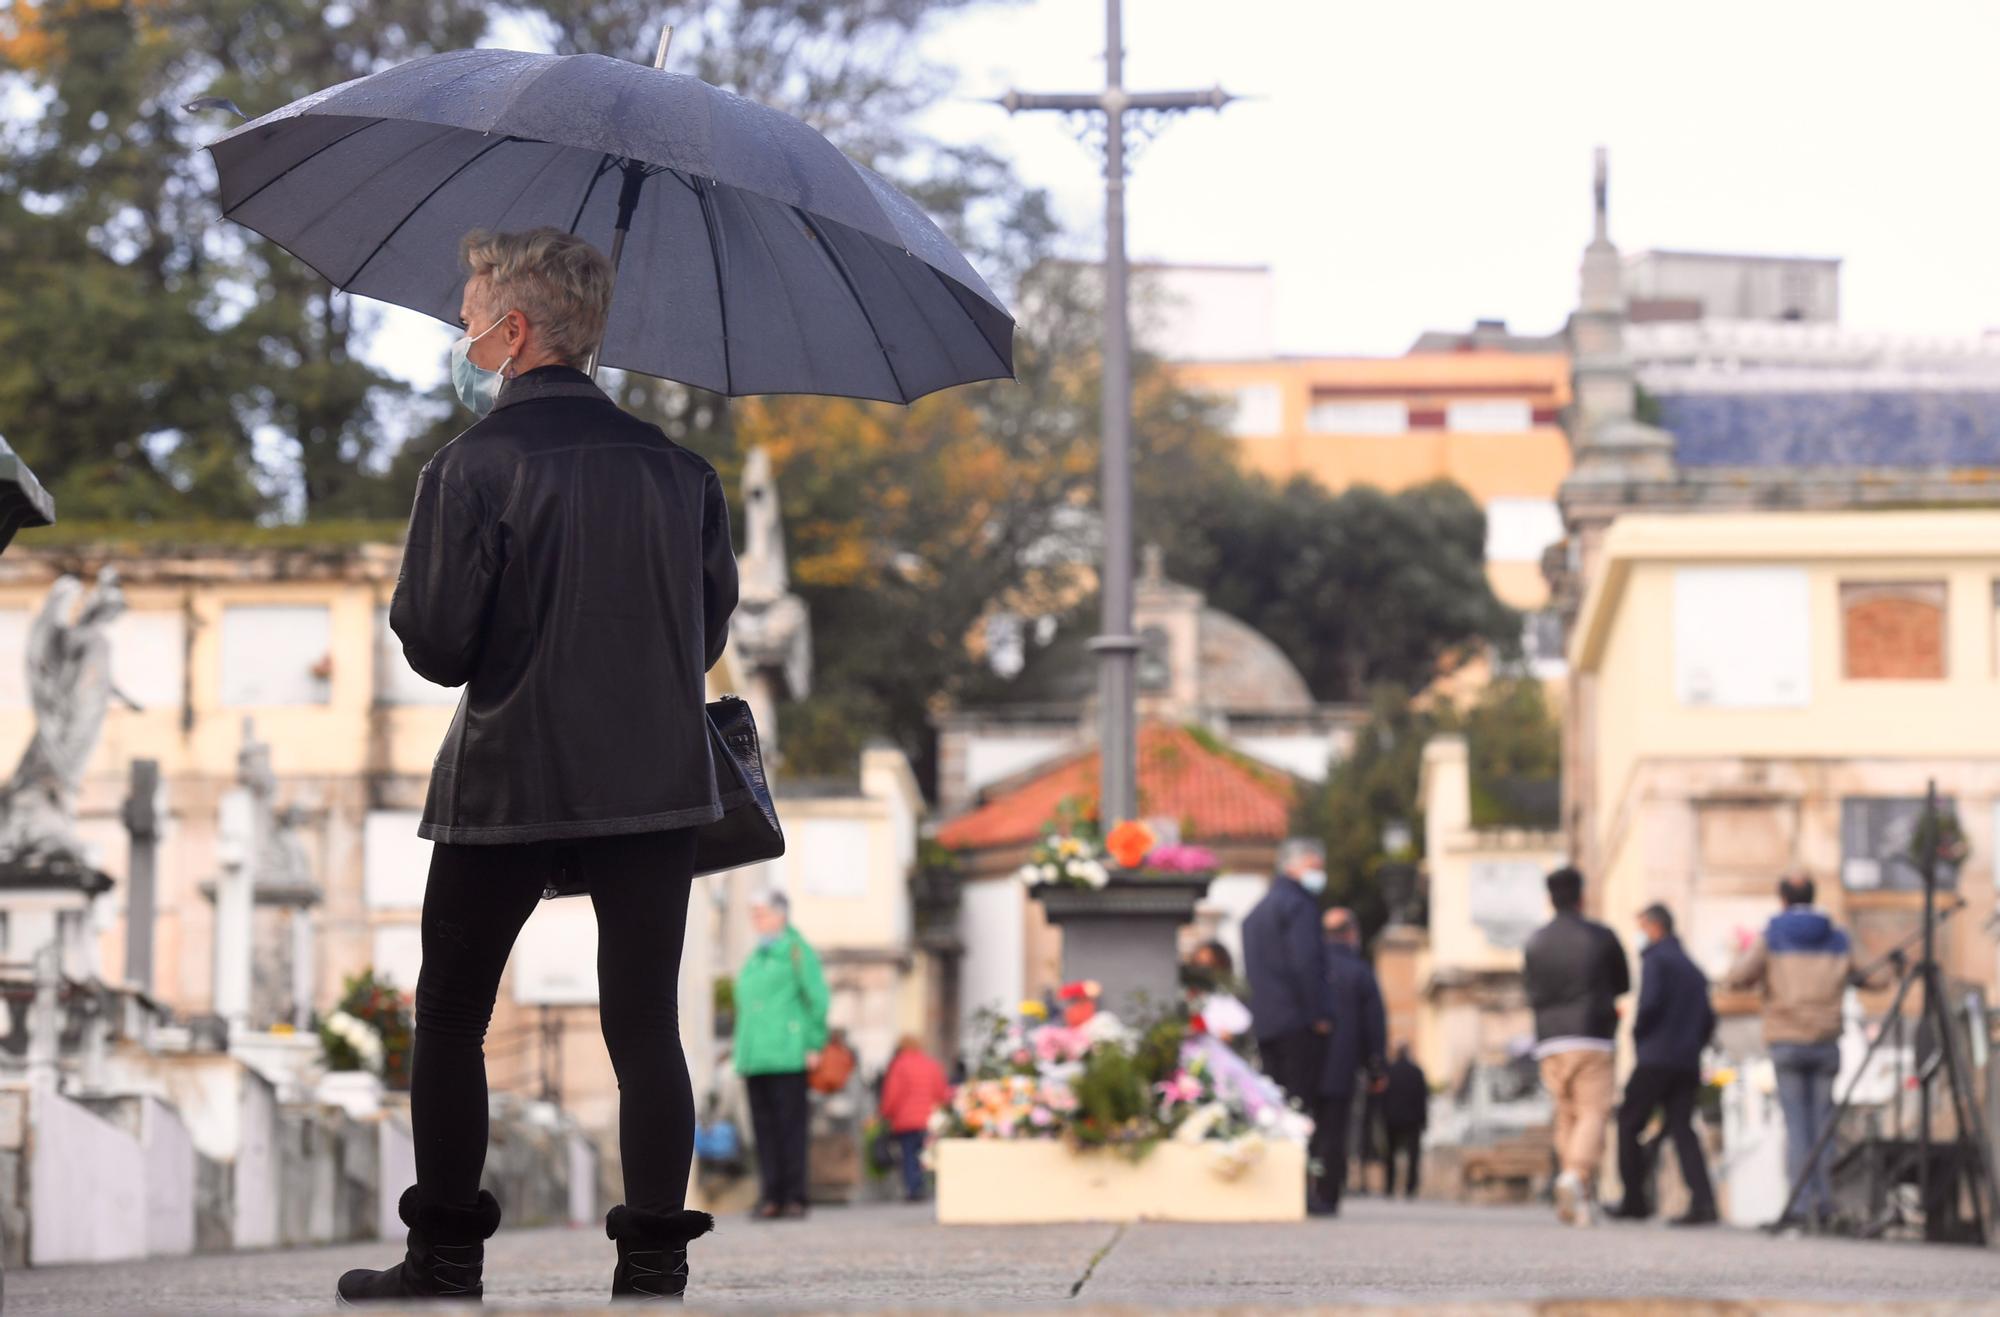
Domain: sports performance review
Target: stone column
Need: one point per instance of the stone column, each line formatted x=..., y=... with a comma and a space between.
x=234, y=907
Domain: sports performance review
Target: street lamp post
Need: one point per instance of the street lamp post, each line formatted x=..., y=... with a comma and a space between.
x=1117, y=648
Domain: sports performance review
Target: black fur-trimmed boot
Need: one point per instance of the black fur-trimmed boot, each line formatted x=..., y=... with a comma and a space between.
x=652, y=1251
x=447, y=1249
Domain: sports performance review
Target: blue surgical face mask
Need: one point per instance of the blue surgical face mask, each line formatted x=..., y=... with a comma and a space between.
x=1313, y=880
x=477, y=387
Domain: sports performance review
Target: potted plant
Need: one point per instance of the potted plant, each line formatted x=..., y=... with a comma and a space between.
x=1121, y=902
x=1083, y=1118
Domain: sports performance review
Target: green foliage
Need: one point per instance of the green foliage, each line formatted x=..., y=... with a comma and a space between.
x=1113, y=1098
x=1358, y=588
x=1514, y=744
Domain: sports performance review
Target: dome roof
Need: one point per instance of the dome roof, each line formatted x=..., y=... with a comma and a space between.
x=1244, y=671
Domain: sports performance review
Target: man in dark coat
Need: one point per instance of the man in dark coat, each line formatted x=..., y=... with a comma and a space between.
x=1673, y=1026
x=1284, y=959
x=1406, y=1111
x=1355, y=1046
x=1575, y=971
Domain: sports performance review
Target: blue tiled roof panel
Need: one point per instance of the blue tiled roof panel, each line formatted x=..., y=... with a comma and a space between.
x=1915, y=430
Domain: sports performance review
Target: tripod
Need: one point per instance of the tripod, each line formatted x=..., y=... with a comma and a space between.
x=1970, y=1151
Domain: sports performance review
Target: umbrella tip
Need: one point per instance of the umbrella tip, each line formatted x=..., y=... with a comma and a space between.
x=200, y=103
x=666, y=40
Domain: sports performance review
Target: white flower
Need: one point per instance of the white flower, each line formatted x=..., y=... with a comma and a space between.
x=1203, y=1119
x=1027, y=875
x=359, y=1035
x=1104, y=1027
x=1049, y=873
x=1094, y=873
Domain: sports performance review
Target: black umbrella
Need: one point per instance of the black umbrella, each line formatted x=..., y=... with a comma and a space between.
x=756, y=257
x=23, y=501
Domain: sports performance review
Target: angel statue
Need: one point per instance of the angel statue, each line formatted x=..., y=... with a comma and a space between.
x=69, y=687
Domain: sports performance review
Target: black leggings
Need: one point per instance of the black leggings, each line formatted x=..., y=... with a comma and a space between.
x=474, y=906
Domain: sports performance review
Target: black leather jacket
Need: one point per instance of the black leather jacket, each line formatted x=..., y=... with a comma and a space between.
x=1575, y=971
x=572, y=568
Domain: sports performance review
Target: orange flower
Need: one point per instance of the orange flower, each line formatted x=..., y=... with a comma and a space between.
x=1129, y=843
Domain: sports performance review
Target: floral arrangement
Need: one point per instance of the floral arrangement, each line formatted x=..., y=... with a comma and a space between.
x=1087, y=1078
x=350, y=1043
x=1065, y=860
x=1070, y=854
x=1181, y=859
x=370, y=1030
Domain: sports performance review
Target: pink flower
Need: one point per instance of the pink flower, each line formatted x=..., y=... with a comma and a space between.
x=1056, y=1043
x=1041, y=1117
x=1183, y=1087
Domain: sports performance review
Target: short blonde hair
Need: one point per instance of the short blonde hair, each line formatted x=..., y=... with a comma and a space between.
x=558, y=281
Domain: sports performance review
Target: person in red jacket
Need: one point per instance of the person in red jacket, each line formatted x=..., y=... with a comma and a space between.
x=913, y=1088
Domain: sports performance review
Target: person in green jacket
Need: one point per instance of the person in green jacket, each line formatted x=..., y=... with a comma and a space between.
x=781, y=1002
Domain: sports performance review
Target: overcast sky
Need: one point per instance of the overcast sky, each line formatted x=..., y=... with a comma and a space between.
x=1422, y=163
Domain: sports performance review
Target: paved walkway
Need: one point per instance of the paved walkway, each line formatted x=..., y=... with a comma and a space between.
x=1442, y=1258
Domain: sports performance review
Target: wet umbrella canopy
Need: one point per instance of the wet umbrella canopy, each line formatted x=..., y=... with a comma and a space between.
x=23, y=501
x=759, y=258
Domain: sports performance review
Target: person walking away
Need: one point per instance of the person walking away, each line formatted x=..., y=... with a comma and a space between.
x=1575, y=970
x=570, y=567
x=781, y=1001
x=1674, y=1024
x=1801, y=965
x=1405, y=1104
x=912, y=1091
x=1355, y=1046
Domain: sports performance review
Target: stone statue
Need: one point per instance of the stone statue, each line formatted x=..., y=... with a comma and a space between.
x=69, y=687
x=771, y=632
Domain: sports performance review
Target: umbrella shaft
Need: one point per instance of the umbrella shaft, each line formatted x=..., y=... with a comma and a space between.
x=628, y=201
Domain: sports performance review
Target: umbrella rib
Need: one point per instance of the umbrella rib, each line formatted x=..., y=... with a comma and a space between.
x=603, y=168
x=306, y=159
x=847, y=278
x=715, y=263
x=443, y=183
x=947, y=281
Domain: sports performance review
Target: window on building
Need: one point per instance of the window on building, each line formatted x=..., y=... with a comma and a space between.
x=396, y=682
x=1358, y=416
x=1259, y=410
x=1742, y=637
x=1521, y=529
x=1490, y=416
x=1879, y=849
x=276, y=655
x=1542, y=644
x=1156, y=670
x=1893, y=631
x=149, y=658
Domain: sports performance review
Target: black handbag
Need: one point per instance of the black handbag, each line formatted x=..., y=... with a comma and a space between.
x=748, y=831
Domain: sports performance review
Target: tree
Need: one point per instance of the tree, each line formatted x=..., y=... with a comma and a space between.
x=1359, y=588
x=200, y=370
x=1514, y=743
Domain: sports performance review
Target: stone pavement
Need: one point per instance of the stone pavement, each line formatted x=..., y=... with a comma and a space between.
x=1379, y=1256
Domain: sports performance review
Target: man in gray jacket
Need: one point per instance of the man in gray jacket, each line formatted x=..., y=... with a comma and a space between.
x=1575, y=970
x=1801, y=965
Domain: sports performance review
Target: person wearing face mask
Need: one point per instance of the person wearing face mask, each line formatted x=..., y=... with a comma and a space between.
x=1291, y=996
x=1575, y=972
x=571, y=568
x=1355, y=1049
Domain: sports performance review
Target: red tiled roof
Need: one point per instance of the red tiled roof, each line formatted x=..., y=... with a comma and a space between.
x=1217, y=796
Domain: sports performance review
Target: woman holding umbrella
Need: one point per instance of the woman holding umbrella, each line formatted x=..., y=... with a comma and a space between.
x=566, y=563
x=573, y=569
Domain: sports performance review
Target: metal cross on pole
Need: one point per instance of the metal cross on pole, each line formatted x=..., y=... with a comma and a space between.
x=1116, y=646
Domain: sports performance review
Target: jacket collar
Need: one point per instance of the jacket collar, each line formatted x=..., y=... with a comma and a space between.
x=548, y=382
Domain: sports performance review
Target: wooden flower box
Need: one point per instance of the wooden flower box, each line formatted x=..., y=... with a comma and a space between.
x=1043, y=1181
